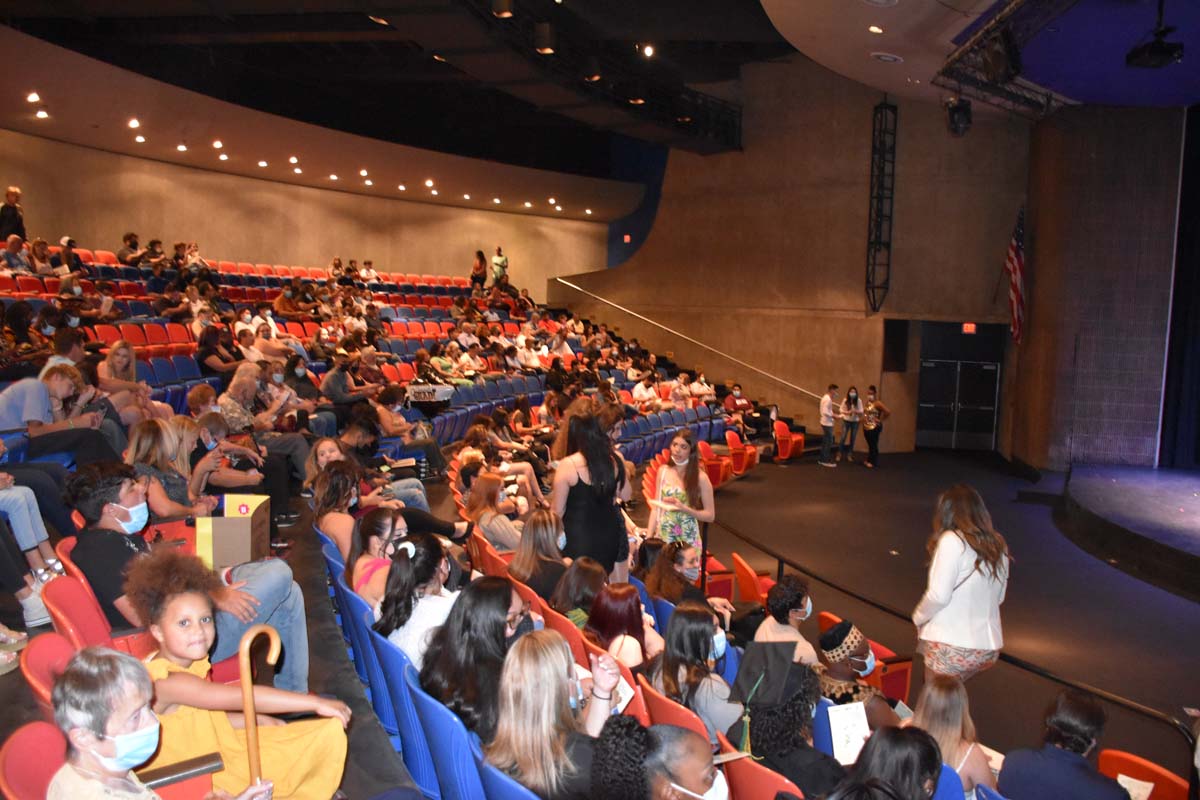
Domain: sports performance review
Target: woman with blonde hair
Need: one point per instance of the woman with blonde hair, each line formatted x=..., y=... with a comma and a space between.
x=487, y=491
x=958, y=618
x=546, y=724
x=120, y=366
x=944, y=712
x=152, y=452
x=539, y=563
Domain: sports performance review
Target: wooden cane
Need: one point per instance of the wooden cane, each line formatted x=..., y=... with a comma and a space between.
x=247, y=680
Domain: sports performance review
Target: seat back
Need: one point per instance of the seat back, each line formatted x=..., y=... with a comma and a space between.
x=1167, y=785
x=567, y=629
x=822, y=731
x=665, y=711
x=949, y=786
x=63, y=550
x=454, y=758
x=75, y=612
x=414, y=746
x=498, y=786
x=663, y=610
x=42, y=661
x=749, y=588
x=29, y=760
x=748, y=778
x=637, y=706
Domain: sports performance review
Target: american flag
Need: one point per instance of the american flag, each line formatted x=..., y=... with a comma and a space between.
x=1014, y=265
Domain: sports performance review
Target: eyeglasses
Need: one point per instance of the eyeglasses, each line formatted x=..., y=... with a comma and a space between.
x=512, y=620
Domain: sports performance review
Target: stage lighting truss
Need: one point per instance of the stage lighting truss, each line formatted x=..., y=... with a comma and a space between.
x=986, y=66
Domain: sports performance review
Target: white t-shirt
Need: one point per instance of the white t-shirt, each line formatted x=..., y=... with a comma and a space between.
x=644, y=394
x=826, y=411
x=429, y=613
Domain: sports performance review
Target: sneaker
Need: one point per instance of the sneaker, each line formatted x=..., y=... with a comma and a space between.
x=826, y=464
x=34, y=611
x=306, y=493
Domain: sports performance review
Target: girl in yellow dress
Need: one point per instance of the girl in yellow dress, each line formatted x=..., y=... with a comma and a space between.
x=171, y=591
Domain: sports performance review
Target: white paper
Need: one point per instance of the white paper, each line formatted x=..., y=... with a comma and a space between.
x=850, y=731
x=624, y=695
x=1138, y=790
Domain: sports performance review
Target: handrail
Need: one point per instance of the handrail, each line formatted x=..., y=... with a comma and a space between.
x=674, y=332
x=1019, y=663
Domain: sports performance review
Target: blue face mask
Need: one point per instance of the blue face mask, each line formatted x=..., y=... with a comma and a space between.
x=868, y=669
x=211, y=444
x=139, y=515
x=719, y=643
x=692, y=574
x=561, y=542
x=133, y=749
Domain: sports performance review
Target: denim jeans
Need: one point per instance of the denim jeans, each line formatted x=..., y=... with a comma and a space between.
x=826, y=444
x=323, y=423
x=20, y=506
x=411, y=492
x=849, y=431
x=281, y=605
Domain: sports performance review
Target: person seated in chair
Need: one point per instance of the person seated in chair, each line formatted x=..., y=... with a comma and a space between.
x=846, y=658
x=112, y=501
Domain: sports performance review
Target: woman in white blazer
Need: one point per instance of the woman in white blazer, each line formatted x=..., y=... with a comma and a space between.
x=958, y=618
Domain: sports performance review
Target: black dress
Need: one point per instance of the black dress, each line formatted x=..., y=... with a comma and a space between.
x=594, y=524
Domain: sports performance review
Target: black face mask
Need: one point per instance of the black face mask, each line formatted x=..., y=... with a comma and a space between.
x=367, y=449
x=523, y=627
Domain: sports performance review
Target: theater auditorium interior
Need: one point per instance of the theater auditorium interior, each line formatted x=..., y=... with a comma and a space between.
x=593, y=399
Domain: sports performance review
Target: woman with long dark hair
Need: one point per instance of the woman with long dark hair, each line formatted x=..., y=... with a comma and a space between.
x=415, y=600
x=587, y=485
x=958, y=618
x=617, y=623
x=905, y=760
x=372, y=546
x=683, y=495
x=577, y=589
x=465, y=655
x=684, y=673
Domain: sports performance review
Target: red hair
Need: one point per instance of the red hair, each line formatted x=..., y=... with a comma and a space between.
x=616, y=610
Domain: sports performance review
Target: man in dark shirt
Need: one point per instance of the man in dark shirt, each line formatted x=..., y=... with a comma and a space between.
x=1060, y=769
x=67, y=257
x=112, y=501
x=12, y=216
x=130, y=254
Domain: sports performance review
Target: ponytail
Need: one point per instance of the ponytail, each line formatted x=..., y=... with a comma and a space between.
x=414, y=564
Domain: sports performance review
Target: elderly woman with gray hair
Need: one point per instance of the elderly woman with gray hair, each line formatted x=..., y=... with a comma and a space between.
x=102, y=705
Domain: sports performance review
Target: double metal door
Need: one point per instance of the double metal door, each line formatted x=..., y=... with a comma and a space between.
x=958, y=404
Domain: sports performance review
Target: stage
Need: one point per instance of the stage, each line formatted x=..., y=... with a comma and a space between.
x=1143, y=521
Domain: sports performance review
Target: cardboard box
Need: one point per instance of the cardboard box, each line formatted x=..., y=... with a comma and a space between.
x=242, y=535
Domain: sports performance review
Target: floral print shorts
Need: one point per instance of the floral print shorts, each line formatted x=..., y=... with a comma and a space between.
x=958, y=662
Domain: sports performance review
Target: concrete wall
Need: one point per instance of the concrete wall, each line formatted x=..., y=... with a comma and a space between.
x=97, y=197
x=1103, y=191
x=762, y=254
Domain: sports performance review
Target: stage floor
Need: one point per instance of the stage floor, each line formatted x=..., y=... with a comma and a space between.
x=1067, y=611
x=1162, y=505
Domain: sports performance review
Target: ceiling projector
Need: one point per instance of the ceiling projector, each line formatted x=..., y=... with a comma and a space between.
x=1158, y=52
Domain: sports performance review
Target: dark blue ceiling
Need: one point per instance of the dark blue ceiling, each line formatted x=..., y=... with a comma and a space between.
x=1081, y=54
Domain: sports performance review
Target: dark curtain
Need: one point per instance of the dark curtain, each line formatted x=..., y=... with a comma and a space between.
x=1181, y=398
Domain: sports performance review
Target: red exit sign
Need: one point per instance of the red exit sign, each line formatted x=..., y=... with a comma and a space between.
x=968, y=327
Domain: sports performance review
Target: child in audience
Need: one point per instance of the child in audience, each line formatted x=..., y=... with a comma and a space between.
x=415, y=600
x=170, y=591
x=547, y=723
x=945, y=714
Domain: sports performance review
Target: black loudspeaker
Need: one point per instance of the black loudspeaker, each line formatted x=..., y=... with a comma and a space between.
x=895, y=345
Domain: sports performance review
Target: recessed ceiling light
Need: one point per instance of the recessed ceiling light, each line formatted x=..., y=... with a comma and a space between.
x=139, y=139
x=875, y=29
x=223, y=157
x=402, y=187
x=218, y=144
x=293, y=160
x=378, y=20
x=181, y=148
x=502, y=9
x=683, y=118
x=887, y=58
x=262, y=163
x=647, y=50
x=436, y=57
x=587, y=211
x=297, y=170
x=558, y=208
x=133, y=123
x=434, y=192
x=429, y=183
x=32, y=97
x=496, y=200
x=466, y=197
x=42, y=113
x=551, y=201
x=528, y=204
x=369, y=182
x=333, y=177
x=636, y=101
x=362, y=172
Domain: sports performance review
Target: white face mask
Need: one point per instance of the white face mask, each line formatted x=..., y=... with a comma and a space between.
x=718, y=791
x=680, y=462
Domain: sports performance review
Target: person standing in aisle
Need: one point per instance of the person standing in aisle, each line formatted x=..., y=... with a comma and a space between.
x=828, y=412
x=874, y=413
x=499, y=266
x=852, y=411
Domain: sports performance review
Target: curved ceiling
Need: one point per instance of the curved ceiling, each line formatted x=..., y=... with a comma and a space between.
x=90, y=103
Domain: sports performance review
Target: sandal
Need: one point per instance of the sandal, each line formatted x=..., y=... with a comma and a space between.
x=11, y=640
x=9, y=662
